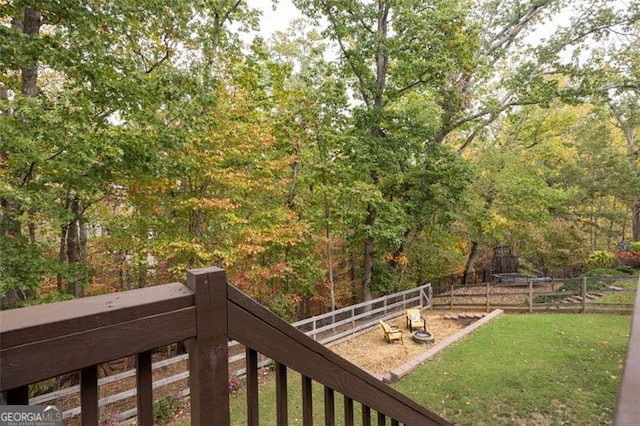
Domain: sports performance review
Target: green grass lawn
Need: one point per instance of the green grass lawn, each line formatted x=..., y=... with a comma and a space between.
x=267, y=404
x=528, y=369
x=518, y=369
x=626, y=297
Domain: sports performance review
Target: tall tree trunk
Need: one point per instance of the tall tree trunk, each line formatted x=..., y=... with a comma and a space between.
x=330, y=264
x=635, y=218
x=83, y=231
x=72, y=255
x=32, y=20
x=28, y=22
x=367, y=293
x=78, y=268
x=471, y=260
x=352, y=278
x=627, y=119
x=62, y=255
x=630, y=135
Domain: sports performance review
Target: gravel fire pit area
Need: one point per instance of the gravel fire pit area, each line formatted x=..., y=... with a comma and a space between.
x=390, y=361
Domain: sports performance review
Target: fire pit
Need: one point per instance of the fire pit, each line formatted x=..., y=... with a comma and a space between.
x=422, y=337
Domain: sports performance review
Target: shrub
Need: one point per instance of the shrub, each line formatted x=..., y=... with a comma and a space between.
x=111, y=420
x=601, y=259
x=606, y=273
x=627, y=270
x=631, y=256
x=165, y=408
x=575, y=286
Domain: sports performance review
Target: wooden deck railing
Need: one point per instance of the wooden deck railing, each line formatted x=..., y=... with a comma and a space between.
x=40, y=342
x=628, y=409
x=328, y=328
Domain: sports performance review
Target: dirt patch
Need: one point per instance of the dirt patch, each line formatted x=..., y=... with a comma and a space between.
x=372, y=353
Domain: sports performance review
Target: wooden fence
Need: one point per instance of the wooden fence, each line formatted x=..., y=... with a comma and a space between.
x=327, y=329
x=40, y=342
x=535, y=296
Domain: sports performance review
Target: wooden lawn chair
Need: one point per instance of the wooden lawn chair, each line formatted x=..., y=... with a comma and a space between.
x=391, y=333
x=415, y=320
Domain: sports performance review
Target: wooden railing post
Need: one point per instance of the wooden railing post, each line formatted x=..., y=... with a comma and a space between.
x=530, y=298
x=208, y=352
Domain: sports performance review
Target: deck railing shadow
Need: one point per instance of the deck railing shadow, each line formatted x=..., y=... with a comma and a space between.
x=40, y=342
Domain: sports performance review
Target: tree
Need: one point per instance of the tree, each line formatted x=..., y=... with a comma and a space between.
x=382, y=46
x=310, y=115
x=94, y=117
x=612, y=77
x=515, y=65
x=626, y=112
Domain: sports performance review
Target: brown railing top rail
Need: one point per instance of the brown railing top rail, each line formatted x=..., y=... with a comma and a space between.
x=628, y=409
x=43, y=341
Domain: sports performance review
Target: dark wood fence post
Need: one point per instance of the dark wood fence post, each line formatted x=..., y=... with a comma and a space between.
x=208, y=352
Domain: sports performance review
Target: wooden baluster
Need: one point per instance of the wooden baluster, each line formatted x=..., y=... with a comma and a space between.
x=89, y=395
x=252, y=387
x=348, y=411
x=281, y=394
x=366, y=416
x=144, y=393
x=382, y=420
x=329, y=407
x=18, y=396
x=307, y=402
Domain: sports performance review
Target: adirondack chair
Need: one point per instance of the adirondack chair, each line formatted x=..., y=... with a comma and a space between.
x=391, y=333
x=415, y=320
